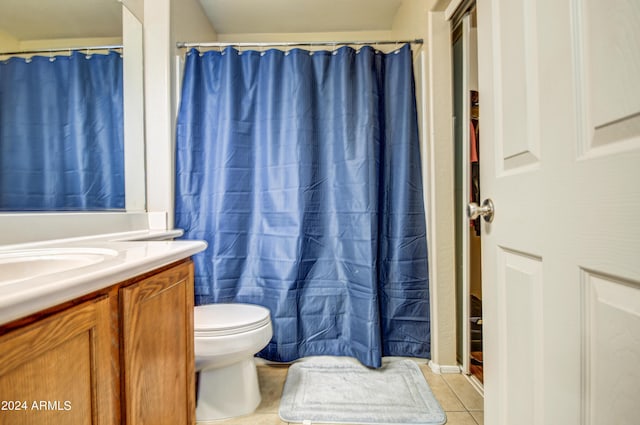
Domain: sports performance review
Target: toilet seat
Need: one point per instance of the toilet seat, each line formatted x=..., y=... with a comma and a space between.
x=213, y=320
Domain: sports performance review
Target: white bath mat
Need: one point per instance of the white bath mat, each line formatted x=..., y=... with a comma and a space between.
x=335, y=390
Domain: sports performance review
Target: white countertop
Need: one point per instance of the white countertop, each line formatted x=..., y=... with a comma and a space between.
x=132, y=235
x=119, y=258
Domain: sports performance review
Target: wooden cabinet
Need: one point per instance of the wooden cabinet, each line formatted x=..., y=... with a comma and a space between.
x=122, y=355
x=57, y=370
x=157, y=347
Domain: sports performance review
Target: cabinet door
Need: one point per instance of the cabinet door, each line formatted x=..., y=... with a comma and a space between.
x=157, y=338
x=58, y=370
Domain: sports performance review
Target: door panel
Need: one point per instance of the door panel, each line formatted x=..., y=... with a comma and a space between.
x=607, y=63
x=57, y=369
x=612, y=330
x=517, y=120
x=520, y=328
x=157, y=339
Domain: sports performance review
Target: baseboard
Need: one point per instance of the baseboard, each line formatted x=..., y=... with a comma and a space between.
x=443, y=369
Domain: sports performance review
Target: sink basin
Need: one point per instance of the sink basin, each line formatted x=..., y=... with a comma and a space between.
x=26, y=264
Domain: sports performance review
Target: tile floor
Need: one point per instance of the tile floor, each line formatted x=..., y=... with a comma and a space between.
x=462, y=403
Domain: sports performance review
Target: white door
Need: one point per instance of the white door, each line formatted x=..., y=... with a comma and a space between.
x=560, y=148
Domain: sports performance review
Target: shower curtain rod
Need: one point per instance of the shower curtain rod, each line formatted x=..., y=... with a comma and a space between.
x=184, y=45
x=62, y=49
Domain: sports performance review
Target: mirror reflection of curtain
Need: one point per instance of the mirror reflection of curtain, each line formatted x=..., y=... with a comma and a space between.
x=61, y=133
x=302, y=172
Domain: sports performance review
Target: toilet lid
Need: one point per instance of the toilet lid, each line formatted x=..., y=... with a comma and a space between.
x=226, y=319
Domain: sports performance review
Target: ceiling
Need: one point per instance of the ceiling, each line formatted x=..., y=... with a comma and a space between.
x=50, y=19
x=267, y=16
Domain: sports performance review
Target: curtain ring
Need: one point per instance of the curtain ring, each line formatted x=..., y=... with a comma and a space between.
x=51, y=57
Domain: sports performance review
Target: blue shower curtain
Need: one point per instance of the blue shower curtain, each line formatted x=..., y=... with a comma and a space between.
x=302, y=172
x=61, y=133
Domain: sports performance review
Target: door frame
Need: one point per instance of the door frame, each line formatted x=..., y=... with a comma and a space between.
x=439, y=178
x=465, y=195
x=460, y=34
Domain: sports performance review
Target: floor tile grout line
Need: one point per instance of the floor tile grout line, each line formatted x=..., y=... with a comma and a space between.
x=460, y=399
x=455, y=393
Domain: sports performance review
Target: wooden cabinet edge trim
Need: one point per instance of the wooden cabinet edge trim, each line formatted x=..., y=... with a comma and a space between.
x=24, y=321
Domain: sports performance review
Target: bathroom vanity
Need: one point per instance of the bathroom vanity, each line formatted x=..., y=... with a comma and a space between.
x=113, y=352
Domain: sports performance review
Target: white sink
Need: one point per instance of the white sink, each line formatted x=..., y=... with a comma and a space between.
x=26, y=264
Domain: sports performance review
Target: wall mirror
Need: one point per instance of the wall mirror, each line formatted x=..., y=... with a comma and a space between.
x=71, y=115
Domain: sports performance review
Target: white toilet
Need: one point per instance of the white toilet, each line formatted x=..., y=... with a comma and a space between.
x=227, y=336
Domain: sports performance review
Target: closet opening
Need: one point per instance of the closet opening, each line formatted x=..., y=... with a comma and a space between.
x=466, y=113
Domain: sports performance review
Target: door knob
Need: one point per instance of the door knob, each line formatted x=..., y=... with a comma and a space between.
x=486, y=210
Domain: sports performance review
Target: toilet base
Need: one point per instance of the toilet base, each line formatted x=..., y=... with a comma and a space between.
x=227, y=392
